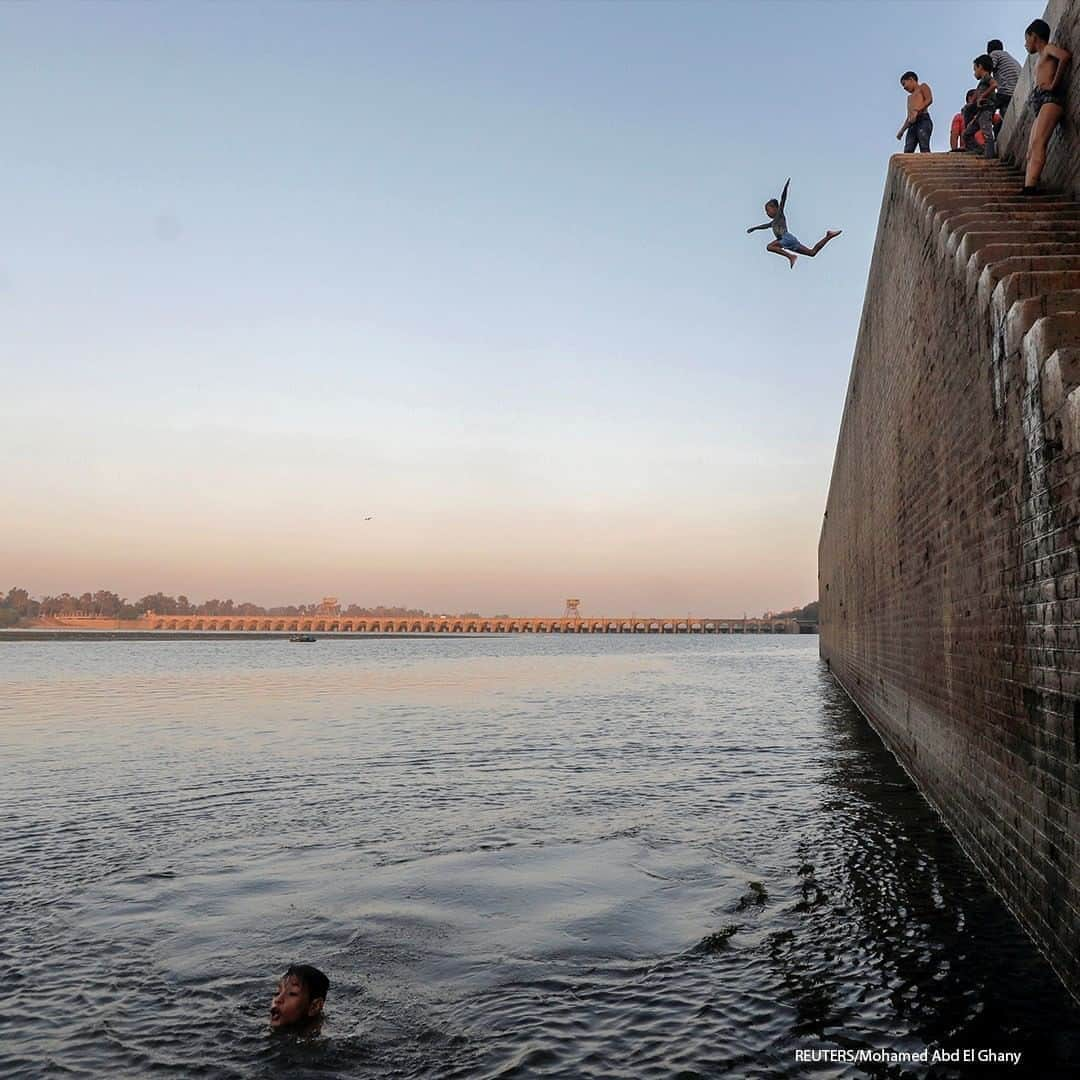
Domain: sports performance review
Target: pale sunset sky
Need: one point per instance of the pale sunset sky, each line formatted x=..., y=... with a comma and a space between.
x=478, y=271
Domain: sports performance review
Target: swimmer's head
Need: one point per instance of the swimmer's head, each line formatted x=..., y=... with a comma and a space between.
x=772, y=208
x=301, y=994
x=909, y=80
x=1038, y=32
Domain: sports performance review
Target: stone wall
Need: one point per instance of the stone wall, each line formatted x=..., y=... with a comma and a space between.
x=949, y=562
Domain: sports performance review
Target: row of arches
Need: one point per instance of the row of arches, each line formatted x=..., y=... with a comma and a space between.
x=336, y=624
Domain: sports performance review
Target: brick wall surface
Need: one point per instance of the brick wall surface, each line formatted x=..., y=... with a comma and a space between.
x=949, y=558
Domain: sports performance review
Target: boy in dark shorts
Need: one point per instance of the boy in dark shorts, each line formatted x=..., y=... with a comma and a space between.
x=1047, y=100
x=298, y=1003
x=983, y=120
x=786, y=243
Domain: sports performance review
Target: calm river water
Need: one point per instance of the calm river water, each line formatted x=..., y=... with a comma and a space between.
x=618, y=857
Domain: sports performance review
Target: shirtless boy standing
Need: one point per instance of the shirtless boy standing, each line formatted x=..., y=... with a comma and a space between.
x=786, y=243
x=1047, y=98
x=918, y=124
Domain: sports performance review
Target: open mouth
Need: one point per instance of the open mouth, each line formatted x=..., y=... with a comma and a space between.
x=275, y=1016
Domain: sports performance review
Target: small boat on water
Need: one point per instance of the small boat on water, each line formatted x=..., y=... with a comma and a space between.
x=301, y=637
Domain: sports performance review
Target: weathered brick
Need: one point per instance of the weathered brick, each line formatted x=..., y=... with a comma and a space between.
x=949, y=560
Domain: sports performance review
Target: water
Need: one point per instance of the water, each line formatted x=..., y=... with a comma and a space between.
x=572, y=857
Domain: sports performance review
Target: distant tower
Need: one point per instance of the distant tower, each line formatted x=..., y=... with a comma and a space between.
x=572, y=609
x=329, y=606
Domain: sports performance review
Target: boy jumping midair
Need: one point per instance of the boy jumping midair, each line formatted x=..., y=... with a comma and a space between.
x=785, y=243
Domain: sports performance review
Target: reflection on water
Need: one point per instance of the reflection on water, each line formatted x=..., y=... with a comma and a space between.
x=611, y=857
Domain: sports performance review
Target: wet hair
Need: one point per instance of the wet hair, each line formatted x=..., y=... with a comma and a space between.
x=311, y=979
x=984, y=62
x=909, y=75
x=773, y=202
x=1040, y=28
x=994, y=45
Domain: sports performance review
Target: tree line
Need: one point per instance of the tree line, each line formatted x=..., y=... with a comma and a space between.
x=807, y=614
x=17, y=604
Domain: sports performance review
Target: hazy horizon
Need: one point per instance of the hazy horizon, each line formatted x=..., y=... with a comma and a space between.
x=478, y=273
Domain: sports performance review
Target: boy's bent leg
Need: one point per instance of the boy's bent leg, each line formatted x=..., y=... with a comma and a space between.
x=1045, y=121
x=777, y=249
x=970, y=142
x=986, y=126
x=830, y=235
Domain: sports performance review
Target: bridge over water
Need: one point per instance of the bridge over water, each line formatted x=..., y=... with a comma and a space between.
x=456, y=624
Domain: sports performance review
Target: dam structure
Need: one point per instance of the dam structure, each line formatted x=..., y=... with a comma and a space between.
x=949, y=556
x=433, y=624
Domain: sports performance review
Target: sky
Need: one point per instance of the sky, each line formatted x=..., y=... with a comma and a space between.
x=476, y=271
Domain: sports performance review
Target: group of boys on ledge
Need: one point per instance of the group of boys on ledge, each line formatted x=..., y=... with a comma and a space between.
x=976, y=126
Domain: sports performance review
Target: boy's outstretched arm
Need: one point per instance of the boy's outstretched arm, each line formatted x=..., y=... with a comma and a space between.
x=783, y=194
x=754, y=228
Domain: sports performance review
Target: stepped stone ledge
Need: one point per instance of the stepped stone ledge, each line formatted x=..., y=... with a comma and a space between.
x=949, y=557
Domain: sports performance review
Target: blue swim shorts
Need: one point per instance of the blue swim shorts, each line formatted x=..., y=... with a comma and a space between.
x=790, y=242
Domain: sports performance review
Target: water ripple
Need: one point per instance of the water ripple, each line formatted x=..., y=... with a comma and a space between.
x=620, y=857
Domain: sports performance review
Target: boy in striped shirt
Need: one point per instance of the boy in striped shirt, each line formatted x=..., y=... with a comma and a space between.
x=1006, y=71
